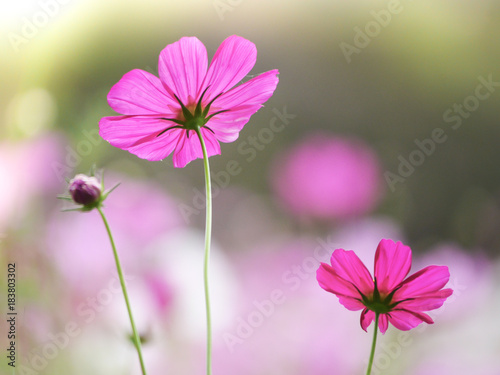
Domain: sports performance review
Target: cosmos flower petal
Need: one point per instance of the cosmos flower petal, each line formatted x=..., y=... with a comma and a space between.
x=430, y=301
x=127, y=131
x=427, y=280
x=233, y=60
x=182, y=67
x=211, y=142
x=383, y=323
x=189, y=148
x=333, y=283
x=140, y=93
x=367, y=317
x=255, y=91
x=242, y=102
x=155, y=148
x=227, y=125
x=392, y=264
x=349, y=267
x=139, y=135
x=351, y=304
x=406, y=320
x=186, y=150
x=224, y=133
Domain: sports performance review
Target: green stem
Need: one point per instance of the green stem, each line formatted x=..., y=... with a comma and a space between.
x=208, y=234
x=372, y=353
x=137, y=341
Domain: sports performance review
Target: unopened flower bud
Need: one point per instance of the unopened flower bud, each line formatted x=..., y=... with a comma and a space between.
x=85, y=190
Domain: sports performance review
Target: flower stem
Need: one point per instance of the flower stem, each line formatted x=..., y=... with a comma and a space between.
x=372, y=353
x=208, y=234
x=137, y=341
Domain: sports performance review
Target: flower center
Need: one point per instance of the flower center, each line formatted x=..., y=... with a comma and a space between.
x=194, y=123
x=193, y=120
x=378, y=303
x=378, y=307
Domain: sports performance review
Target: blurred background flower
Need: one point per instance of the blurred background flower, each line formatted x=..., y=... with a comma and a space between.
x=384, y=125
x=328, y=177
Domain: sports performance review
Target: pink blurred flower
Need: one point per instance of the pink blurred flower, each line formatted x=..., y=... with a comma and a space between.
x=27, y=172
x=328, y=177
x=160, y=116
x=398, y=301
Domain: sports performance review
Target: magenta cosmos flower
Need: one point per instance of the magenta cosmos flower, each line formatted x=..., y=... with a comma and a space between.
x=162, y=115
x=397, y=300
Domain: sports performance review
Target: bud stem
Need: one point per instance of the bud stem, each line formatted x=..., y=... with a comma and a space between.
x=137, y=341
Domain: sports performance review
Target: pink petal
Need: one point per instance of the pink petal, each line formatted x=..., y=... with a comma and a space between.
x=242, y=102
x=392, y=264
x=188, y=149
x=426, y=302
x=155, y=148
x=256, y=91
x=428, y=280
x=126, y=131
x=367, y=317
x=182, y=66
x=139, y=135
x=228, y=125
x=141, y=93
x=349, y=267
x=406, y=320
x=211, y=142
x=383, y=323
x=234, y=58
x=350, y=303
x=345, y=290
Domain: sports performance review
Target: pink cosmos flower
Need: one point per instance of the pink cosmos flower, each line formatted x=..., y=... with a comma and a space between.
x=397, y=300
x=161, y=116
